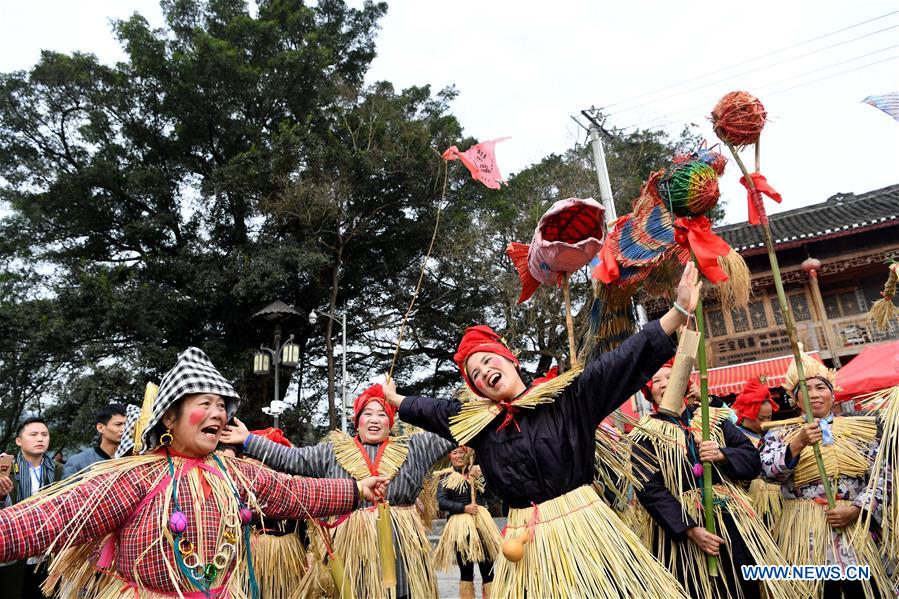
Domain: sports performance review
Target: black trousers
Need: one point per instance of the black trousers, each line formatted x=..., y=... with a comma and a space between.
x=467, y=569
x=32, y=581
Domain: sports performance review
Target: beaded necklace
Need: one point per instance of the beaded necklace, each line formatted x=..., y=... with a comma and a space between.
x=200, y=575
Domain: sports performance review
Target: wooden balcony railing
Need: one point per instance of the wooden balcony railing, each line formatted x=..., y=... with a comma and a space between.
x=849, y=333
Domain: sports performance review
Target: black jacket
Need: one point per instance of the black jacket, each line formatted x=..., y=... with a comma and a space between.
x=552, y=454
x=454, y=502
x=742, y=463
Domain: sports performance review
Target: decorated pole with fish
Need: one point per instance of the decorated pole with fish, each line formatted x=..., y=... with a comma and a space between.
x=567, y=237
x=738, y=119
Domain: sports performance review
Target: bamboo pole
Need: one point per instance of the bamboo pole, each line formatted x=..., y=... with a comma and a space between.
x=569, y=321
x=707, y=494
x=788, y=318
x=386, y=551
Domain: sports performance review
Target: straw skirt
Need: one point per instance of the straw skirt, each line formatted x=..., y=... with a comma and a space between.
x=473, y=537
x=356, y=542
x=580, y=548
x=805, y=537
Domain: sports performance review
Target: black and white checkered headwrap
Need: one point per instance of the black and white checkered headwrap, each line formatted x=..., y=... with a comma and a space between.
x=193, y=373
x=132, y=414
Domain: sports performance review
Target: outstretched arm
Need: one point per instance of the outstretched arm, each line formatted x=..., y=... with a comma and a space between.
x=295, y=497
x=304, y=461
x=614, y=376
x=430, y=447
x=83, y=512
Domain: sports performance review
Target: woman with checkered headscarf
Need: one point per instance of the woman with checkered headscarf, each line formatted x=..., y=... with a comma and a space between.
x=173, y=521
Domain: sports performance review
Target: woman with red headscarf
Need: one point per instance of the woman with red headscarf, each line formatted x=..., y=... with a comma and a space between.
x=754, y=406
x=535, y=445
x=405, y=460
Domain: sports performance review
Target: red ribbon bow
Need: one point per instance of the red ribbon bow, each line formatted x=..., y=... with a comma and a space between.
x=510, y=410
x=696, y=235
x=761, y=186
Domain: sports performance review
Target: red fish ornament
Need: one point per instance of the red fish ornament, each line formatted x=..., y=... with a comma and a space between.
x=567, y=237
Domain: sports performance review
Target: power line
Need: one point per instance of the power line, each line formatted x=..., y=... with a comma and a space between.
x=773, y=93
x=767, y=54
x=767, y=85
x=754, y=70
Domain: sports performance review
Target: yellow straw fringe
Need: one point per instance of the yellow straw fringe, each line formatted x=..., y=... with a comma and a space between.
x=474, y=537
x=350, y=458
x=72, y=576
x=477, y=412
x=734, y=292
x=886, y=464
x=426, y=502
x=356, y=541
x=883, y=312
x=613, y=457
x=667, y=439
x=279, y=562
x=691, y=560
x=580, y=548
x=804, y=537
x=458, y=482
x=767, y=501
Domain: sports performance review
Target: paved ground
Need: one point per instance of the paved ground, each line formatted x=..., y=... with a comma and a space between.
x=448, y=582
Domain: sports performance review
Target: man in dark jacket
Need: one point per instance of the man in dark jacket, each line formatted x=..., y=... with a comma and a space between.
x=32, y=470
x=110, y=421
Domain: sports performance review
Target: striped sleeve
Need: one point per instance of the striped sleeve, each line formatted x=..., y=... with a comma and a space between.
x=305, y=461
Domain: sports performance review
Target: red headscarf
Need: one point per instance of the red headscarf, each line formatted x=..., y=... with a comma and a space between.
x=273, y=434
x=480, y=338
x=373, y=393
x=751, y=398
x=647, y=388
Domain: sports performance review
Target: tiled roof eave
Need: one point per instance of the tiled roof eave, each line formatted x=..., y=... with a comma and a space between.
x=798, y=240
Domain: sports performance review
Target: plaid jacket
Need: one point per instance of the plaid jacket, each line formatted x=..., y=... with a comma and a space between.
x=91, y=508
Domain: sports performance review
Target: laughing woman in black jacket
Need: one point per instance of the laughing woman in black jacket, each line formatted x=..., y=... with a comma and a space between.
x=535, y=446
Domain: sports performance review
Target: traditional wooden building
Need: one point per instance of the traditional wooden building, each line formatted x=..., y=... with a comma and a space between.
x=853, y=237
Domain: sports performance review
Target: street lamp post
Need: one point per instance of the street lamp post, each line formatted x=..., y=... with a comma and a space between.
x=287, y=353
x=313, y=318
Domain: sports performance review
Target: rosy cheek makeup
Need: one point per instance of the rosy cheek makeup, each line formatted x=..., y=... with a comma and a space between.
x=197, y=415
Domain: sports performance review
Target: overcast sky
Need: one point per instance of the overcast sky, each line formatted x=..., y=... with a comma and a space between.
x=523, y=67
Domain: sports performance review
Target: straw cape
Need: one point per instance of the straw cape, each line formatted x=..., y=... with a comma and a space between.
x=474, y=537
x=119, y=509
x=159, y=524
x=736, y=521
x=885, y=404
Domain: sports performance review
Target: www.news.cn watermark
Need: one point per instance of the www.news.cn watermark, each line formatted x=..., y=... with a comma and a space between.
x=811, y=572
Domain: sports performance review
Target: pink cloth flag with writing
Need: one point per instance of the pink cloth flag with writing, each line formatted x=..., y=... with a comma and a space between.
x=480, y=160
